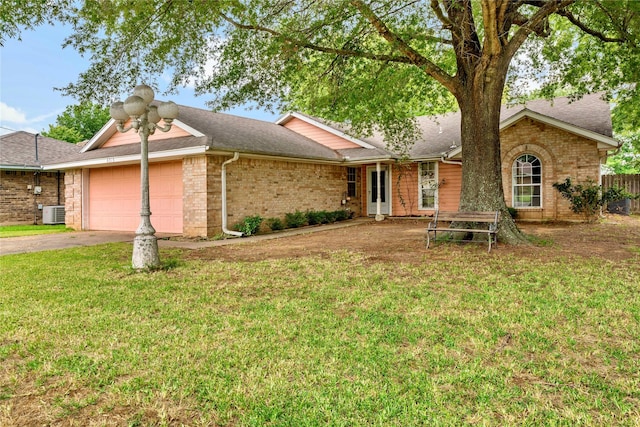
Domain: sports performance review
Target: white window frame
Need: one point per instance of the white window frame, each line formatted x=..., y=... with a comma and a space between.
x=354, y=181
x=530, y=159
x=427, y=183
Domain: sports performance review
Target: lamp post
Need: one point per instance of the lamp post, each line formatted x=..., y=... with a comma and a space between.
x=144, y=120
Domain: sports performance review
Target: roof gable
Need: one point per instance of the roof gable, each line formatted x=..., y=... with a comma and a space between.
x=340, y=140
x=109, y=136
x=604, y=141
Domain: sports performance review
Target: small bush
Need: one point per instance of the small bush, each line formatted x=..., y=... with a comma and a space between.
x=588, y=197
x=584, y=198
x=275, y=224
x=329, y=217
x=295, y=219
x=513, y=212
x=315, y=217
x=249, y=225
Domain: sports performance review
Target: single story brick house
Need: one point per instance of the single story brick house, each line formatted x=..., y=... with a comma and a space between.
x=304, y=163
x=25, y=188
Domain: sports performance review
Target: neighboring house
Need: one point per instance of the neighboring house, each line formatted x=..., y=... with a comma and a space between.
x=303, y=163
x=25, y=188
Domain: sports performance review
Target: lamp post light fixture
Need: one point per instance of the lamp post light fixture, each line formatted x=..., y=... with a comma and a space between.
x=144, y=120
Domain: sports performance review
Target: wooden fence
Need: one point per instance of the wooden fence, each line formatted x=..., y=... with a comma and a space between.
x=630, y=182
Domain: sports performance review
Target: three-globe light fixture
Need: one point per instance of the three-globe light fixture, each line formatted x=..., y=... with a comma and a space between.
x=144, y=120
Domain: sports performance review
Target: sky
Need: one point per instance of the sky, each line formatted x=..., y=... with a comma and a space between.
x=31, y=69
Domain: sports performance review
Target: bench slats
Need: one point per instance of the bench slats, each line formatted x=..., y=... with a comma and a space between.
x=490, y=218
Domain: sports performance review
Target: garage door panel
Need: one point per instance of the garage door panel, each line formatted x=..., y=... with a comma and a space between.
x=114, y=197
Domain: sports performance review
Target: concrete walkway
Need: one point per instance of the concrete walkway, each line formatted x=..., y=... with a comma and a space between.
x=45, y=242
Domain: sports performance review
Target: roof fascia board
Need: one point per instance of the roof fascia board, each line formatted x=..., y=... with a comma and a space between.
x=287, y=117
x=601, y=139
x=185, y=127
x=100, y=137
x=131, y=158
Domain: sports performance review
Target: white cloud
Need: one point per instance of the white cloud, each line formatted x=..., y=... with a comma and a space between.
x=13, y=115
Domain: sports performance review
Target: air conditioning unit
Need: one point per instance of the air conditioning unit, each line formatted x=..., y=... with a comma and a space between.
x=53, y=215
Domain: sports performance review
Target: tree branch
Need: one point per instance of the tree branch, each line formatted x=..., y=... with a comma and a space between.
x=319, y=48
x=532, y=25
x=414, y=57
x=584, y=27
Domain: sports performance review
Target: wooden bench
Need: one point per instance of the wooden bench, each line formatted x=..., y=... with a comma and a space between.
x=473, y=218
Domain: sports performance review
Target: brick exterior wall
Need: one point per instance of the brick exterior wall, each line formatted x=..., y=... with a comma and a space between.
x=18, y=205
x=272, y=188
x=194, y=196
x=73, y=199
x=269, y=188
x=562, y=155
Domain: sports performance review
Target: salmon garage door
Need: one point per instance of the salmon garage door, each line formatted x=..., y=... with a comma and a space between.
x=114, y=197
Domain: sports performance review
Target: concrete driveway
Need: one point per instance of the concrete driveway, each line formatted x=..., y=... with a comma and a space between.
x=45, y=242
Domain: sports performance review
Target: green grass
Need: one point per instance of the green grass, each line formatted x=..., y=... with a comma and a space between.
x=333, y=340
x=31, y=230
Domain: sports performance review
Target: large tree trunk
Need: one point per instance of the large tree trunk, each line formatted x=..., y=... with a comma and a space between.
x=482, y=189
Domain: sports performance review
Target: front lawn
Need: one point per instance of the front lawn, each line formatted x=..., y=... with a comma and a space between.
x=30, y=230
x=330, y=339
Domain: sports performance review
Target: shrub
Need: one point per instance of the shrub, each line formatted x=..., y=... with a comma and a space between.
x=275, y=224
x=587, y=198
x=342, y=215
x=296, y=219
x=584, y=198
x=329, y=217
x=614, y=194
x=513, y=212
x=249, y=225
x=315, y=217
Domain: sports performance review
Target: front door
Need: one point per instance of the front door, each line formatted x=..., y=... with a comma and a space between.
x=372, y=190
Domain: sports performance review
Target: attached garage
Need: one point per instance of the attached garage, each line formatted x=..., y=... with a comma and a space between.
x=114, y=197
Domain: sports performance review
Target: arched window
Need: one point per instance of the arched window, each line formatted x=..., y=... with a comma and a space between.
x=527, y=182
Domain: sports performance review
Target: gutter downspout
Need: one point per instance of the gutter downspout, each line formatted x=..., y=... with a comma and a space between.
x=223, y=177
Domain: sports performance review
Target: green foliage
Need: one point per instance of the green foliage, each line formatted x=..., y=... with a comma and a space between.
x=327, y=217
x=343, y=214
x=275, y=224
x=78, y=122
x=295, y=219
x=627, y=160
x=249, y=225
x=63, y=133
x=316, y=217
x=587, y=198
x=584, y=198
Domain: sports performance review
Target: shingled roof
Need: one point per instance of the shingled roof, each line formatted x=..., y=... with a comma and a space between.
x=228, y=133
x=441, y=134
x=232, y=133
x=18, y=150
